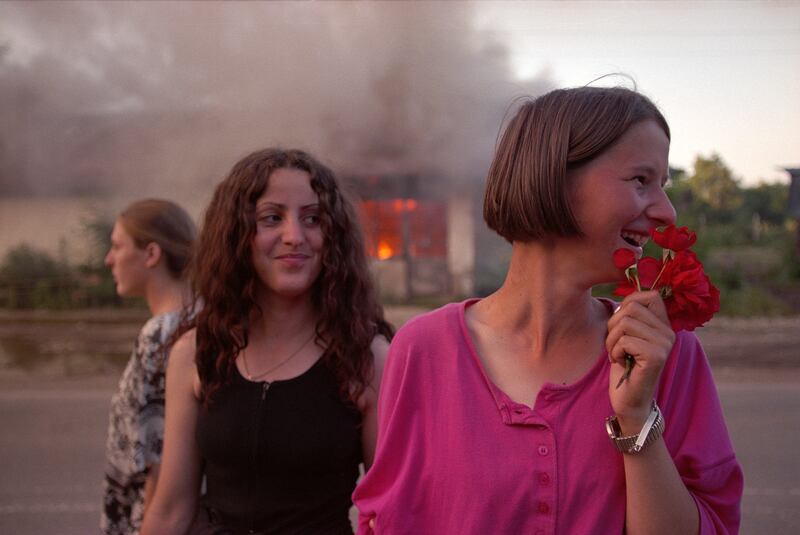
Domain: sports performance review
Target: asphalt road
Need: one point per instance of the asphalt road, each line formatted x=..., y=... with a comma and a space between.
x=51, y=455
x=53, y=431
x=763, y=418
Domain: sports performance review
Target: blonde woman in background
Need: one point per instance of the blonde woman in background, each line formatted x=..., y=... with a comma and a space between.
x=151, y=245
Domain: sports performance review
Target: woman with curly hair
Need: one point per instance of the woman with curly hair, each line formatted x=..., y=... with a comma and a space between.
x=271, y=395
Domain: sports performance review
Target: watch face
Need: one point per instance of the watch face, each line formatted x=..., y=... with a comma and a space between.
x=614, y=431
x=612, y=427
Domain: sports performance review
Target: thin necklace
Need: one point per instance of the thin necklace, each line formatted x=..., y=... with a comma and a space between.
x=281, y=363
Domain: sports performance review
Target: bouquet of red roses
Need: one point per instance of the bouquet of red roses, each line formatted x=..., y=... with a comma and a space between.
x=689, y=296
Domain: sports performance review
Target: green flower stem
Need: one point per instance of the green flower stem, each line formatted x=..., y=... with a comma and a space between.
x=663, y=267
x=629, y=362
x=632, y=273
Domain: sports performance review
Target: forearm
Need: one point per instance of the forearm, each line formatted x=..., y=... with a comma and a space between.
x=174, y=520
x=171, y=510
x=174, y=505
x=657, y=500
x=150, y=485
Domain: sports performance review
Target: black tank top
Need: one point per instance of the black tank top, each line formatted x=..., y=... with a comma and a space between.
x=281, y=457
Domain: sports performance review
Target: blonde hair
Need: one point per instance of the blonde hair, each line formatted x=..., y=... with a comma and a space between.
x=165, y=223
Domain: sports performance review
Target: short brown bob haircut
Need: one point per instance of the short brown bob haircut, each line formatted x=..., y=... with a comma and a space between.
x=528, y=188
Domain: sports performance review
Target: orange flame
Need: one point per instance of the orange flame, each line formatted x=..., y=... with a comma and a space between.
x=384, y=251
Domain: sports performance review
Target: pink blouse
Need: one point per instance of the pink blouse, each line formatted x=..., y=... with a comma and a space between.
x=456, y=455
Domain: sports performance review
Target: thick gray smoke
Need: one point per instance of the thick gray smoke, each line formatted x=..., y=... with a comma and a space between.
x=159, y=98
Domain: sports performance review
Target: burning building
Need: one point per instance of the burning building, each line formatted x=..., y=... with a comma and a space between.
x=420, y=234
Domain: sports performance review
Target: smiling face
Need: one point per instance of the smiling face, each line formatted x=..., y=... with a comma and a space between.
x=619, y=196
x=128, y=263
x=287, y=246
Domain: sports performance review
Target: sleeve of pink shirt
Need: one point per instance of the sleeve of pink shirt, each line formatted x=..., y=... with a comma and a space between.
x=394, y=450
x=697, y=438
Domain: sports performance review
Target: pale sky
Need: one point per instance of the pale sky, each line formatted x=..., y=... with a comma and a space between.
x=725, y=73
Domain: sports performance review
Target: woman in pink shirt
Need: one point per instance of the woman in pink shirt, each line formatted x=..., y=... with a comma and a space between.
x=492, y=412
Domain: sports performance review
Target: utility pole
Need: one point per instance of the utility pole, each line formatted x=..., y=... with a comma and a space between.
x=794, y=202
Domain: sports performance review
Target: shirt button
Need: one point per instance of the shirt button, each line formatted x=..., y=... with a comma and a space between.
x=543, y=508
x=543, y=450
x=544, y=479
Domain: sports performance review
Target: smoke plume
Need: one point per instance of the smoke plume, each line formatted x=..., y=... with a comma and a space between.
x=162, y=98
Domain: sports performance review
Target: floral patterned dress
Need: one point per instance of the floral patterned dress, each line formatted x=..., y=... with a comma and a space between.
x=136, y=427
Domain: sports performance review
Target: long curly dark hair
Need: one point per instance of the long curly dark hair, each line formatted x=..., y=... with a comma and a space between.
x=225, y=282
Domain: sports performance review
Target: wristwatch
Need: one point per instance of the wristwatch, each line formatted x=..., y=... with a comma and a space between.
x=652, y=429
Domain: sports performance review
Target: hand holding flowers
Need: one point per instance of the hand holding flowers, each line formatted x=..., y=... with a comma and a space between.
x=689, y=296
x=640, y=328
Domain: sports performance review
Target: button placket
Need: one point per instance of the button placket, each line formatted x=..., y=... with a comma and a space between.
x=544, y=483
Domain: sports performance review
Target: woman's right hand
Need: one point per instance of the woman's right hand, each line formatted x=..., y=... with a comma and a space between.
x=640, y=328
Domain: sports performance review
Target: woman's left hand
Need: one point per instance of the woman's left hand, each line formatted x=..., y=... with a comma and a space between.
x=640, y=328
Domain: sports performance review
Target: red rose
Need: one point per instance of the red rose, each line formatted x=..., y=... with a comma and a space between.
x=690, y=297
x=674, y=238
x=647, y=269
x=624, y=258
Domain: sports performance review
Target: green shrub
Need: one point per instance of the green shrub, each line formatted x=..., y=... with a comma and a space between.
x=751, y=301
x=753, y=264
x=30, y=278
